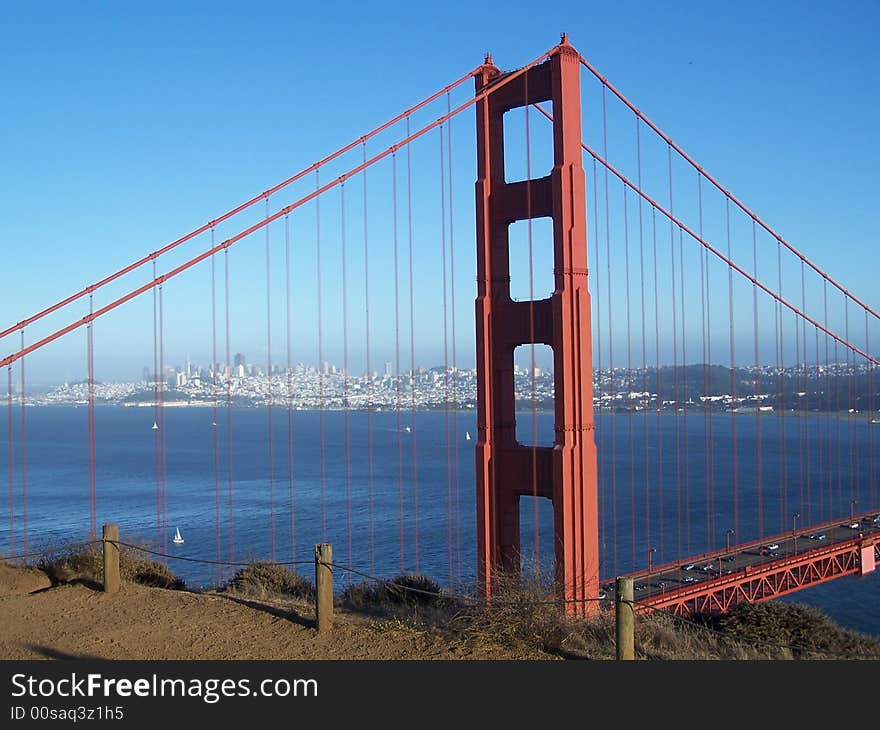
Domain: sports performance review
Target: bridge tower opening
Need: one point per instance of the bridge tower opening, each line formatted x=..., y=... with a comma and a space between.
x=565, y=473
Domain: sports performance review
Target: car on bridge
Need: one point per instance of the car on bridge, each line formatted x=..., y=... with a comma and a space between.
x=770, y=549
x=689, y=566
x=818, y=536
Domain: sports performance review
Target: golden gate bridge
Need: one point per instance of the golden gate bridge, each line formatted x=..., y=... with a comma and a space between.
x=713, y=387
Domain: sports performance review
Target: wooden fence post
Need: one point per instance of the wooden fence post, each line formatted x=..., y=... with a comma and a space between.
x=110, y=544
x=624, y=613
x=324, y=587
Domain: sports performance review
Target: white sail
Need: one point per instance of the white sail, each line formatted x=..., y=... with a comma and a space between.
x=178, y=538
x=467, y=435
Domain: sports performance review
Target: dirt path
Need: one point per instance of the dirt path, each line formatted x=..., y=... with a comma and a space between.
x=74, y=620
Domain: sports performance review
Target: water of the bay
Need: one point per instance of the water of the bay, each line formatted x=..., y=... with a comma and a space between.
x=396, y=494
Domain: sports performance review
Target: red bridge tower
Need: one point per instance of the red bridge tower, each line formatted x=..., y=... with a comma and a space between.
x=566, y=472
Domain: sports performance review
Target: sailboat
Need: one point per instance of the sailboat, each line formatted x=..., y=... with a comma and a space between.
x=155, y=426
x=407, y=429
x=178, y=538
x=467, y=435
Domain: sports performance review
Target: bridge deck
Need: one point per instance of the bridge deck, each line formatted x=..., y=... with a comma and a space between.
x=755, y=571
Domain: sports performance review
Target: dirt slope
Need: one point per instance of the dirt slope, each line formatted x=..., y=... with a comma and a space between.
x=73, y=620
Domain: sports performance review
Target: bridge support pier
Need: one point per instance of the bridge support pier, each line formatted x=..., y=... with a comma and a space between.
x=506, y=470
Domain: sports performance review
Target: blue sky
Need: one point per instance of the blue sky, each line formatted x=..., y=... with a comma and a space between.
x=127, y=125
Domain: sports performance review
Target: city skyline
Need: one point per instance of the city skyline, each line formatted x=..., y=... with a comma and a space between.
x=145, y=202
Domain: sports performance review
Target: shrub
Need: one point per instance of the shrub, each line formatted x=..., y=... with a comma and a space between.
x=408, y=590
x=270, y=579
x=88, y=564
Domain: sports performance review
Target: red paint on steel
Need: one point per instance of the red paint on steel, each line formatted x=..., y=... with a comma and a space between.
x=766, y=581
x=412, y=355
x=723, y=190
x=290, y=450
x=369, y=370
x=346, y=409
x=318, y=277
x=319, y=190
x=442, y=177
x=162, y=438
x=396, y=246
x=214, y=422
x=612, y=431
x=536, y=536
x=23, y=468
x=93, y=523
x=269, y=403
x=568, y=470
x=238, y=209
x=455, y=460
x=718, y=254
x=10, y=449
x=229, y=480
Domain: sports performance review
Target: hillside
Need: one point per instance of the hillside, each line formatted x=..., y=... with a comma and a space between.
x=59, y=614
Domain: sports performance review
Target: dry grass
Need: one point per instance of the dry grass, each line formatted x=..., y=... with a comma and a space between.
x=87, y=564
x=270, y=580
x=524, y=618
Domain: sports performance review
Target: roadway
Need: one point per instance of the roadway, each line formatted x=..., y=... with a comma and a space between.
x=673, y=577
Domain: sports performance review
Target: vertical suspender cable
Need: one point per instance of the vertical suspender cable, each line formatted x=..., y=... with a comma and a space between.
x=445, y=357
x=23, y=439
x=157, y=468
x=10, y=450
x=781, y=468
x=412, y=353
x=872, y=478
x=320, y=360
x=757, y=381
x=820, y=398
x=680, y=516
x=684, y=386
x=536, y=547
x=629, y=387
x=596, y=300
x=837, y=408
x=90, y=335
x=611, y=392
x=10, y=447
x=229, y=484
x=850, y=404
x=455, y=461
x=659, y=387
x=733, y=380
x=290, y=454
x=711, y=427
x=708, y=389
x=270, y=395
x=802, y=405
x=645, y=399
x=162, y=439
x=214, y=426
x=369, y=370
x=23, y=470
x=827, y=409
x=345, y=367
x=396, y=243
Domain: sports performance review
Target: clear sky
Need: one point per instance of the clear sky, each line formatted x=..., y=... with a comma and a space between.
x=125, y=125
